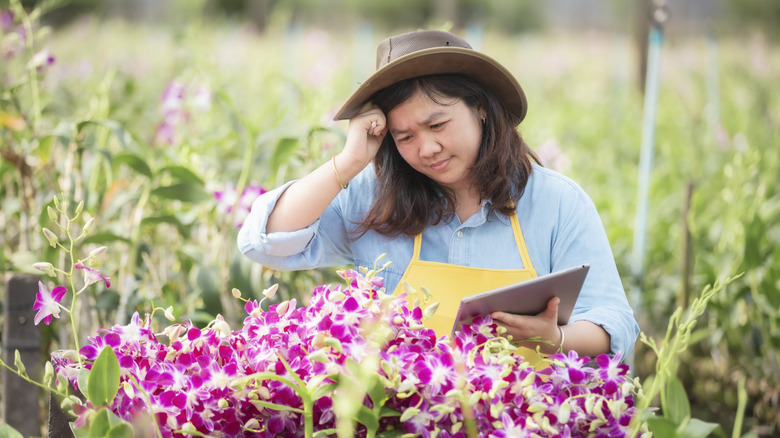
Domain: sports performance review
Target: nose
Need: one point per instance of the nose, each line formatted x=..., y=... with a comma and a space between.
x=429, y=147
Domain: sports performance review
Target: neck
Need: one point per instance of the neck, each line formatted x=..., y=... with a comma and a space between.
x=467, y=203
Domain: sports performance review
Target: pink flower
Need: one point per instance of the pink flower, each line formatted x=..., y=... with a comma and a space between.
x=42, y=61
x=226, y=199
x=48, y=304
x=92, y=276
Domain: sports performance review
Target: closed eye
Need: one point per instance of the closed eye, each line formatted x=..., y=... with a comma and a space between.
x=438, y=125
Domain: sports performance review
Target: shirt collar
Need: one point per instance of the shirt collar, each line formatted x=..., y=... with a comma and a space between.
x=488, y=212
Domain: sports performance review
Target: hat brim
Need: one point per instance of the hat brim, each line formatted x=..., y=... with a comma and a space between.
x=441, y=60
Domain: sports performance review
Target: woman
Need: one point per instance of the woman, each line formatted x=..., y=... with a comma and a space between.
x=455, y=198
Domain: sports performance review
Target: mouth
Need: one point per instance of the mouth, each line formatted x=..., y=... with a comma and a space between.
x=440, y=165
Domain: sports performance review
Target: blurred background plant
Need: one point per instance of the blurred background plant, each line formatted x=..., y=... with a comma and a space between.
x=168, y=117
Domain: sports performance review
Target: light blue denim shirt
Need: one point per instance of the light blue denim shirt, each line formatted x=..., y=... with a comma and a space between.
x=560, y=225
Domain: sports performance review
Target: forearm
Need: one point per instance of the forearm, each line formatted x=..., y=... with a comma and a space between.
x=305, y=200
x=586, y=338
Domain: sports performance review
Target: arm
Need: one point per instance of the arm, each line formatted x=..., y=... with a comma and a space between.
x=602, y=320
x=305, y=200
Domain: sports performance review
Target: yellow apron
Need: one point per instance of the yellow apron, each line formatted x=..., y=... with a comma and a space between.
x=449, y=283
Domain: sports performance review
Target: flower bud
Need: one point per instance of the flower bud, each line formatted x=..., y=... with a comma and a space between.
x=409, y=413
x=46, y=268
x=564, y=413
x=79, y=208
x=222, y=403
x=281, y=309
x=222, y=326
x=129, y=390
x=236, y=293
x=271, y=291
x=336, y=296
x=169, y=314
x=333, y=343
x=97, y=251
x=52, y=214
x=51, y=237
x=430, y=310
x=88, y=225
x=61, y=383
x=18, y=363
x=48, y=373
x=319, y=356
x=252, y=425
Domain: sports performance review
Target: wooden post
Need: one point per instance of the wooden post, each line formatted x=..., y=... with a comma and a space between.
x=20, y=408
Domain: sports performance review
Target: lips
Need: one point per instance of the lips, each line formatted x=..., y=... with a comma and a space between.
x=440, y=165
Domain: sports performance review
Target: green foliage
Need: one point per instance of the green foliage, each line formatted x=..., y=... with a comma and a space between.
x=103, y=381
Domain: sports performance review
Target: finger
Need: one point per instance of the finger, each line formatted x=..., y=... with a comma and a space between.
x=508, y=319
x=551, y=312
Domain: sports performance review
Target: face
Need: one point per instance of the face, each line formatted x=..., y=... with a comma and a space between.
x=439, y=141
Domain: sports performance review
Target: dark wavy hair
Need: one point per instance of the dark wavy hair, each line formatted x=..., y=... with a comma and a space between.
x=407, y=201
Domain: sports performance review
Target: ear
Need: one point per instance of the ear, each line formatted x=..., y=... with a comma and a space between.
x=482, y=114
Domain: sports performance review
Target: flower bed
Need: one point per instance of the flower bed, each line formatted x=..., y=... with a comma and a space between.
x=354, y=358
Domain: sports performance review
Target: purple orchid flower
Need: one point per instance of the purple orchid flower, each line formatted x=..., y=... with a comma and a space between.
x=48, y=304
x=92, y=275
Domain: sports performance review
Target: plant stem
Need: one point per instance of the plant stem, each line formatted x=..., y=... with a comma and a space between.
x=27, y=378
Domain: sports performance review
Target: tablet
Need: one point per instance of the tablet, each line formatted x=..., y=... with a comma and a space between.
x=527, y=297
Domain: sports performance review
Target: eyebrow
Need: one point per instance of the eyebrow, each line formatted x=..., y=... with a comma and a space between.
x=433, y=116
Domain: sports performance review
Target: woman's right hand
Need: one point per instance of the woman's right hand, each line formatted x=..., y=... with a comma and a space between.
x=366, y=131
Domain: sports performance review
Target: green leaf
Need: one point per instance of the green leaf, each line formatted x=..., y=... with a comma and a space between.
x=185, y=192
x=119, y=131
x=366, y=417
x=377, y=393
x=182, y=173
x=699, y=429
x=104, y=237
x=7, y=431
x=134, y=162
x=323, y=390
x=285, y=149
x=83, y=380
x=121, y=430
x=388, y=412
x=103, y=382
x=677, y=407
x=164, y=219
x=100, y=424
x=662, y=427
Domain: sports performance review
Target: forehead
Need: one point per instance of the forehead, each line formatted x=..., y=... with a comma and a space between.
x=420, y=109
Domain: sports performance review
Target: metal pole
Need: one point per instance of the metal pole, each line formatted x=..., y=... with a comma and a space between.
x=646, y=153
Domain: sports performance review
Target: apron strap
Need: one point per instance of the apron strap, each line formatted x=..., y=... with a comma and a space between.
x=417, y=246
x=521, y=243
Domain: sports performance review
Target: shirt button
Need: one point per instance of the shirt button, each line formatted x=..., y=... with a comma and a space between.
x=460, y=234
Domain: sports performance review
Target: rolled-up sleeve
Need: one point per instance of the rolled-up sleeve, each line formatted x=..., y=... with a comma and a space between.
x=301, y=249
x=581, y=239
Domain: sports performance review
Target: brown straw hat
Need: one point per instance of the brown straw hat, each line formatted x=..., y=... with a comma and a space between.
x=430, y=52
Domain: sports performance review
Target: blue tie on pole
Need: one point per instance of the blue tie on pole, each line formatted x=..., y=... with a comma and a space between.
x=655, y=41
